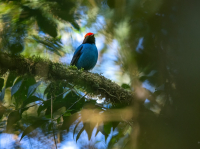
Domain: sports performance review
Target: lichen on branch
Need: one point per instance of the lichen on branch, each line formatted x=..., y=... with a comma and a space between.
x=92, y=83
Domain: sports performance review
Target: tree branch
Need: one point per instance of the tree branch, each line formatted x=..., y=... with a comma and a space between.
x=93, y=84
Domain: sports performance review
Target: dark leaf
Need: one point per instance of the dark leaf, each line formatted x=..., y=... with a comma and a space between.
x=32, y=127
x=16, y=87
x=1, y=83
x=114, y=125
x=53, y=45
x=75, y=25
x=76, y=127
x=2, y=111
x=79, y=134
x=46, y=24
x=30, y=100
x=10, y=80
x=125, y=86
x=12, y=119
x=68, y=121
x=32, y=88
x=2, y=94
x=107, y=129
x=44, y=106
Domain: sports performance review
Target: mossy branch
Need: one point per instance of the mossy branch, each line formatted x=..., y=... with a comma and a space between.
x=94, y=84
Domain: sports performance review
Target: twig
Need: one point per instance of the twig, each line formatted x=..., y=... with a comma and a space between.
x=109, y=93
x=48, y=99
x=51, y=107
x=54, y=136
x=72, y=105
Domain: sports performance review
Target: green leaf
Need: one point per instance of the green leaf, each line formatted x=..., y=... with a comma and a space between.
x=2, y=94
x=32, y=127
x=12, y=119
x=67, y=114
x=126, y=86
x=44, y=106
x=76, y=127
x=45, y=24
x=32, y=88
x=79, y=134
x=58, y=120
x=10, y=80
x=114, y=125
x=30, y=100
x=16, y=87
x=68, y=121
x=2, y=111
x=107, y=129
x=1, y=83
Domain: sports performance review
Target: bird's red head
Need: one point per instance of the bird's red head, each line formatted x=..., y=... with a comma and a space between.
x=88, y=34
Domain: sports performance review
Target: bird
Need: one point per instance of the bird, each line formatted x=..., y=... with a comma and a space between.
x=86, y=55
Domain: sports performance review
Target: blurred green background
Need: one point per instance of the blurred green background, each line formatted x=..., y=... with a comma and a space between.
x=149, y=47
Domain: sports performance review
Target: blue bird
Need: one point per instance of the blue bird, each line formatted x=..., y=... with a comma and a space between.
x=86, y=54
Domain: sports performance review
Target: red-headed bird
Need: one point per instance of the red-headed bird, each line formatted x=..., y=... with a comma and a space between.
x=86, y=54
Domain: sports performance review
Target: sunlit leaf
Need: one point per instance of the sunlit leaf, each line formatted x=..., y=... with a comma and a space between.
x=89, y=127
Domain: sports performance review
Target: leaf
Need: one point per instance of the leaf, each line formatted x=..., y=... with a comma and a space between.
x=32, y=127
x=75, y=25
x=96, y=133
x=89, y=129
x=44, y=106
x=2, y=111
x=16, y=87
x=67, y=114
x=76, y=127
x=107, y=129
x=46, y=24
x=126, y=86
x=114, y=125
x=72, y=97
x=12, y=119
x=79, y=134
x=68, y=121
x=32, y=88
x=10, y=80
x=1, y=83
x=30, y=100
x=2, y=94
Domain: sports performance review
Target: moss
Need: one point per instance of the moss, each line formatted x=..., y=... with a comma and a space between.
x=91, y=83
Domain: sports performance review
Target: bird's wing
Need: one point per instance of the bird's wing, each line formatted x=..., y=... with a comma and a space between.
x=77, y=54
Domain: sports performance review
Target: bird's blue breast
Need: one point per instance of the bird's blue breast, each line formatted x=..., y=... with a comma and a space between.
x=88, y=57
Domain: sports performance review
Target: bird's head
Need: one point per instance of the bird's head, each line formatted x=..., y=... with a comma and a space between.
x=89, y=38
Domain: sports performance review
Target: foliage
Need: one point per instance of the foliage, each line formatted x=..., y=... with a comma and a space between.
x=158, y=49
